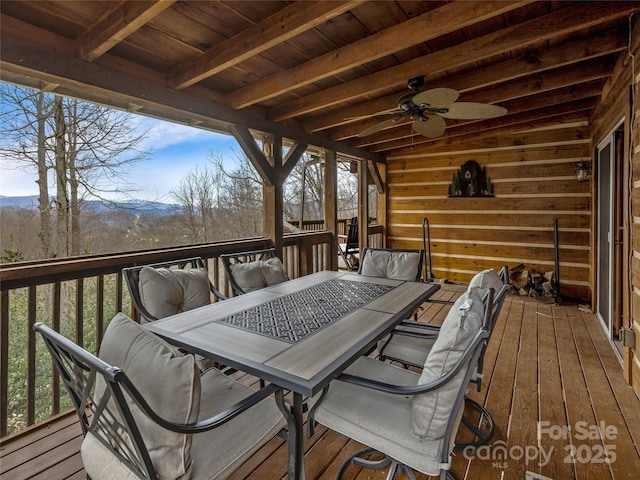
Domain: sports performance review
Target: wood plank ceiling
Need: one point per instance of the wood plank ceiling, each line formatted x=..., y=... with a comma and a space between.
x=315, y=72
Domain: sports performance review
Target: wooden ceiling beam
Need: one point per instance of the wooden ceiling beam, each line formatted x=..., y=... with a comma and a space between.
x=592, y=47
x=121, y=22
x=430, y=25
x=277, y=28
x=557, y=24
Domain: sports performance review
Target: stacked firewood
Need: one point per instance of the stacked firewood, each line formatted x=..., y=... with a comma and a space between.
x=533, y=284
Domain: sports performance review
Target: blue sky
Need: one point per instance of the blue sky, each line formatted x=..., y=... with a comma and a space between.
x=175, y=151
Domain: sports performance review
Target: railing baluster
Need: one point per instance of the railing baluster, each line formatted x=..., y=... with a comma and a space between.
x=57, y=313
x=4, y=360
x=99, y=310
x=31, y=356
x=80, y=311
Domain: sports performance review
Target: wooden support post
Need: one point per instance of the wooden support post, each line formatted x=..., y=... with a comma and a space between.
x=331, y=205
x=363, y=204
x=381, y=207
x=272, y=194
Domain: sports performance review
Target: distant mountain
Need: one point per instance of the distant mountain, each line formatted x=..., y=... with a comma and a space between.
x=138, y=207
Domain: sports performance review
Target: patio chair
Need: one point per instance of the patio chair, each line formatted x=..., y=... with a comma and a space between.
x=411, y=342
x=250, y=271
x=146, y=412
x=411, y=418
x=161, y=289
x=350, y=249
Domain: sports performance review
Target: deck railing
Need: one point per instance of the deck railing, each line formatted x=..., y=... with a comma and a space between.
x=78, y=296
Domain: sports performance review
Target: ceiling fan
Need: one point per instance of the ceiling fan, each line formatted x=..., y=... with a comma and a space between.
x=429, y=108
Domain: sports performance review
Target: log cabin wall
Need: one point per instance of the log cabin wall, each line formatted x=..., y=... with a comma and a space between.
x=533, y=174
x=631, y=212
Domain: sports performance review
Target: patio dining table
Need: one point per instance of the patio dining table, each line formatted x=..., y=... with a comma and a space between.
x=299, y=335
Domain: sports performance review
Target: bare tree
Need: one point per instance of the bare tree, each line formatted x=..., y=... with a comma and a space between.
x=197, y=197
x=86, y=147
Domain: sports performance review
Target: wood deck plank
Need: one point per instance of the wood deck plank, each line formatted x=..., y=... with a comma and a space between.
x=552, y=404
x=578, y=400
x=524, y=415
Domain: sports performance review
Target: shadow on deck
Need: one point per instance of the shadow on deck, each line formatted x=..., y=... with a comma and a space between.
x=552, y=382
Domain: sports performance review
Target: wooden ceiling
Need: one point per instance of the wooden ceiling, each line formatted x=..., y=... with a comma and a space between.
x=314, y=72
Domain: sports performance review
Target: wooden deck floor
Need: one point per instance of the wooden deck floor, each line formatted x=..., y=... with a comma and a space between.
x=548, y=369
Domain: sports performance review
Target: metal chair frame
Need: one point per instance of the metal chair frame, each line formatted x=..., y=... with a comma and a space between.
x=485, y=427
x=109, y=418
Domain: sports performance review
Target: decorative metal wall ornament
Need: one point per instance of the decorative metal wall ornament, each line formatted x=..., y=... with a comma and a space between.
x=471, y=181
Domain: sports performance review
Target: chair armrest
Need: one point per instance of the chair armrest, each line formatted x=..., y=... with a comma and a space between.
x=203, y=425
x=217, y=293
x=472, y=350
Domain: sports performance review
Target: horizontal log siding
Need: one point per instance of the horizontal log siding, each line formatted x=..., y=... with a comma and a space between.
x=534, y=184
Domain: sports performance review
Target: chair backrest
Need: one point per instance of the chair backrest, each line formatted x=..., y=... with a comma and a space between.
x=253, y=270
x=147, y=313
x=450, y=365
x=107, y=419
x=396, y=264
x=499, y=296
x=353, y=243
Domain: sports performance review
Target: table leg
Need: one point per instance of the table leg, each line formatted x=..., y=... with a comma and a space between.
x=295, y=436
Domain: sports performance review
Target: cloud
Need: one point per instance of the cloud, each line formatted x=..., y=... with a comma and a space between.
x=164, y=134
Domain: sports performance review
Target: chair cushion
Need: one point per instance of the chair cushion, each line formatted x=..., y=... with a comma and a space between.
x=394, y=265
x=273, y=271
x=431, y=410
x=403, y=266
x=374, y=263
x=167, y=291
x=168, y=380
x=220, y=451
x=487, y=279
x=251, y=276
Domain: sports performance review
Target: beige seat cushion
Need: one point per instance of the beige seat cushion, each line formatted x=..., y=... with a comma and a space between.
x=168, y=380
x=166, y=291
x=217, y=453
x=379, y=420
x=431, y=410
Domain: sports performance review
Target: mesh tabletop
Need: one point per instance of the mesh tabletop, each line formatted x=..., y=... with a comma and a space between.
x=297, y=315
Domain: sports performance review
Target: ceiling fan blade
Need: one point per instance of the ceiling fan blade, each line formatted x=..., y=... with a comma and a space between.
x=436, y=97
x=473, y=110
x=430, y=126
x=379, y=126
x=377, y=114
